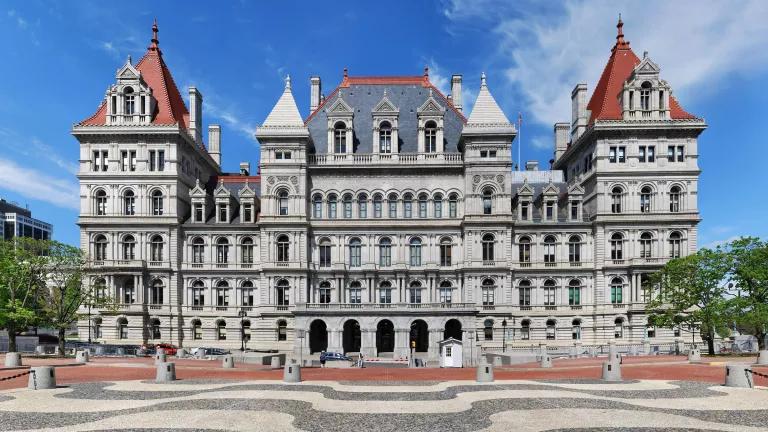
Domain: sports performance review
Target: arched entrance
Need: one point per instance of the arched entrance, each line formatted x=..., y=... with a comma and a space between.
x=385, y=337
x=318, y=336
x=420, y=335
x=351, y=342
x=452, y=329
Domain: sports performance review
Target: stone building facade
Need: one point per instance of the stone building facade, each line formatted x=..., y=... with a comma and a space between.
x=386, y=220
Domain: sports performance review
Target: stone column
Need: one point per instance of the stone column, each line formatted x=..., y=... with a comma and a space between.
x=401, y=343
x=368, y=342
x=435, y=336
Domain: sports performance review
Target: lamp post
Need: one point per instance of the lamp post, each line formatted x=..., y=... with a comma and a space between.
x=504, y=338
x=301, y=335
x=242, y=314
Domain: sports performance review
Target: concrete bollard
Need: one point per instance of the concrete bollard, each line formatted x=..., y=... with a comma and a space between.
x=485, y=373
x=612, y=350
x=42, y=377
x=12, y=359
x=292, y=373
x=546, y=361
x=228, y=362
x=611, y=371
x=166, y=372
x=82, y=357
x=633, y=350
x=738, y=375
x=497, y=361
x=542, y=350
x=762, y=357
x=646, y=348
x=39, y=350
x=181, y=353
x=275, y=364
x=572, y=353
x=694, y=355
x=161, y=358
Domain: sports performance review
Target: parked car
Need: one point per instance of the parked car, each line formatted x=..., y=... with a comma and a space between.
x=333, y=356
x=206, y=351
x=151, y=349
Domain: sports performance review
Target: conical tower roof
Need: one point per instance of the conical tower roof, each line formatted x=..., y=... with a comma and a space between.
x=486, y=115
x=285, y=112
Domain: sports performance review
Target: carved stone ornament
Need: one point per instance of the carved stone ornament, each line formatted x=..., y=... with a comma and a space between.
x=294, y=180
x=271, y=180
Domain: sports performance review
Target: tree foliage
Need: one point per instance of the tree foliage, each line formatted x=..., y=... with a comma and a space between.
x=749, y=275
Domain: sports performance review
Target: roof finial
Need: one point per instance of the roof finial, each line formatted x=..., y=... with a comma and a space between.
x=346, y=73
x=155, y=41
x=385, y=92
x=482, y=80
x=288, y=82
x=620, y=42
x=129, y=59
x=426, y=71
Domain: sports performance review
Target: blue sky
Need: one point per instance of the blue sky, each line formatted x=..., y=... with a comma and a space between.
x=59, y=57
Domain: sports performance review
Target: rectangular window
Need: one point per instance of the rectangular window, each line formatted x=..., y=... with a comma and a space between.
x=198, y=296
x=445, y=255
x=278, y=155
x=223, y=215
x=550, y=210
x=198, y=212
x=525, y=296
x=247, y=213
x=407, y=209
x=612, y=155
x=621, y=154
x=422, y=209
x=317, y=209
x=363, y=210
x=483, y=153
x=325, y=256
x=651, y=154
x=438, y=209
x=641, y=155
x=347, y=209
x=392, y=209
x=492, y=153
x=574, y=210
x=452, y=208
x=385, y=255
x=670, y=153
x=574, y=296
x=152, y=161
x=355, y=295
x=524, y=210
x=377, y=209
x=354, y=255
x=161, y=160
x=124, y=161
x=332, y=210
x=616, y=294
x=680, y=153
x=549, y=296
x=415, y=255
x=415, y=295
x=96, y=164
x=385, y=295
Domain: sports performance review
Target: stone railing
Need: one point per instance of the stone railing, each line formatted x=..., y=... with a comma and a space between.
x=386, y=159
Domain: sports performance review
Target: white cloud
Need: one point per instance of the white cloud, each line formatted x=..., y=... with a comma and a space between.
x=34, y=148
x=714, y=244
x=443, y=83
x=37, y=185
x=546, y=52
x=542, y=143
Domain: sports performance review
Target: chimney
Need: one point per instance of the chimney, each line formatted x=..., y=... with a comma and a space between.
x=532, y=165
x=245, y=168
x=578, y=111
x=456, y=91
x=561, y=139
x=214, y=143
x=196, y=115
x=314, y=93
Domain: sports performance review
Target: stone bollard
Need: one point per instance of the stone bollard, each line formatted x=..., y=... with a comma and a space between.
x=82, y=357
x=181, y=353
x=166, y=372
x=737, y=375
x=546, y=361
x=694, y=355
x=646, y=348
x=42, y=377
x=633, y=350
x=292, y=373
x=39, y=350
x=612, y=350
x=542, y=350
x=611, y=371
x=161, y=357
x=275, y=362
x=497, y=361
x=762, y=357
x=120, y=351
x=228, y=362
x=484, y=373
x=572, y=353
x=12, y=359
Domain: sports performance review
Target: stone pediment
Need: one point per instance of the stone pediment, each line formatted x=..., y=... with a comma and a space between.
x=550, y=190
x=431, y=107
x=340, y=107
x=246, y=191
x=128, y=72
x=575, y=189
x=221, y=191
x=198, y=191
x=385, y=106
x=525, y=189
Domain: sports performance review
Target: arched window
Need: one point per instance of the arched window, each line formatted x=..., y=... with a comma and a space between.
x=414, y=291
x=415, y=251
x=332, y=206
x=246, y=250
x=222, y=293
x=576, y=329
x=283, y=293
x=129, y=247
x=156, y=248
x=385, y=137
x=325, y=252
x=157, y=203
x=198, y=293
x=362, y=206
x=221, y=330
x=197, y=330
x=324, y=293
x=97, y=334
x=488, y=242
x=355, y=250
x=550, y=249
x=129, y=203
x=122, y=328
x=550, y=292
x=129, y=291
x=618, y=328
x=392, y=204
x=551, y=329
x=222, y=251
x=446, y=252
x=446, y=292
x=282, y=202
x=430, y=137
x=100, y=248
x=317, y=206
x=385, y=252
x=339, y=137
x=407, y=206
x=574, y=249
x=675, y=245
x=423, y=205
x=488, y=329
x=347, y=204
x=283, y=249
x=100, y=202
x=438, y=199
x=385, y=292
x=674, y=199
x=355, y=292
x=247, y=293
x=525, y=330
x=617, y=246
x=129, y=106
x=574, y=292
x=616, y=194
x=377, y=204
x=646, y=245
x=282, y=330
x=524, y=246
x=645, y=199
x=487, y=201
x=617, y=291
x=525, y=292
x=453, y=201
x=198, y=250
x=157, y=292
x=489, y=292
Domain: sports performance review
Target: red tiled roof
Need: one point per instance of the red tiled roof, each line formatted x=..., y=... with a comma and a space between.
x=170, y=107
x=604, y=104
x=237, y=178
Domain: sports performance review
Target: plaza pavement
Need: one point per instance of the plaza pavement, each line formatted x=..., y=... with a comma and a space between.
x=660, y=393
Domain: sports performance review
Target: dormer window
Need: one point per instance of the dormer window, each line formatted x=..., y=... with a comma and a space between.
x=247, y=212
x=198, y=212
x=130, y=101
x=525, y=210
x=645, y=96
x=430, y=137
x=385, y=137
x=339, y=138
x=223, y=213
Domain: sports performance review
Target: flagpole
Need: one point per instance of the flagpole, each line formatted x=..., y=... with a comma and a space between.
x=519, y=139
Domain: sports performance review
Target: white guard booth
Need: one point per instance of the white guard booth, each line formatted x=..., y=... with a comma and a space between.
x=451, y=353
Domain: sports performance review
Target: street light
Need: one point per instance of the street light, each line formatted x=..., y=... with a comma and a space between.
x=242, y=314
x=504, y=338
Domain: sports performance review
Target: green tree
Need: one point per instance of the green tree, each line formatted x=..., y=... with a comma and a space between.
x=22, y=262
x=749, y=272
x=690, y=292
